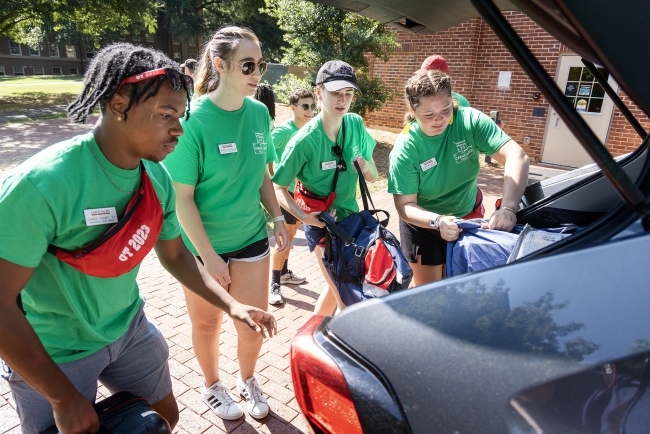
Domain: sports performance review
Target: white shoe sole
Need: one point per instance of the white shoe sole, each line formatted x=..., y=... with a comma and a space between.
x=224, y=417
x=251, y=414
x=292, y=282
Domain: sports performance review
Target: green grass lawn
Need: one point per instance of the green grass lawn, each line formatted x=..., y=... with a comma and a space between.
x=19, y=93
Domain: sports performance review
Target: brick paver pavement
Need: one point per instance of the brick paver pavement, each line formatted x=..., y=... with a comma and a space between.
x=165, y=307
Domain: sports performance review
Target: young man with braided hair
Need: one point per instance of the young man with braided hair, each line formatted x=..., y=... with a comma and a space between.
x=83, y=214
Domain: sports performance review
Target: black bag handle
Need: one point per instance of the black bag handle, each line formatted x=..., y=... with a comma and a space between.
x=332, y=226
x=336, y=173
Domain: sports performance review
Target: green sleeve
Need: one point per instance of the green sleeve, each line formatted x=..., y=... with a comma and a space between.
x=184, y=164
x=28, y=222
x=488, y=137
x=291, y=163
x=403, y=173
x=171, y=227
x=367, y=143
x=271, y=155
x=462, y=101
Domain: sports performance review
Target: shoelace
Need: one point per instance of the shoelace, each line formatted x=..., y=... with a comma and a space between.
x=290, y=274
x=254, y=391
x=223, y=396
x=275, y=289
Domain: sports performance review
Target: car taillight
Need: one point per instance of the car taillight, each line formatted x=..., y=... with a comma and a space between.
x=319, y=385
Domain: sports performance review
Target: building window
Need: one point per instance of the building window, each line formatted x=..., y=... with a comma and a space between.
x=54, y=50
x=191, y=56
x=39, y=70
x=176, y=39
x=177, y=57
x=192, y=41
x=14, y=48
x=121, y=38
x=18, y=70
x=90, y=52
x=56, y=71
x=70, y=51
x=137, y=36
x=74, y=71
x=149, y=37
x=2, y=70
x=34, y=51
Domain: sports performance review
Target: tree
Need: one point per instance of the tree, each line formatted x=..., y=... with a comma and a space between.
x=32, y=21
x=316, y=33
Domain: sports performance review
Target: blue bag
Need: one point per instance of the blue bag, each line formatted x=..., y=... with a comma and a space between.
x=361, y=256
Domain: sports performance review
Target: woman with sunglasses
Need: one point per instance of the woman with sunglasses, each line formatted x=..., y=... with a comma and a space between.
x=433, y=172
x=73, y=267
x=326, y=145
x=219, y=171
x=301, y=102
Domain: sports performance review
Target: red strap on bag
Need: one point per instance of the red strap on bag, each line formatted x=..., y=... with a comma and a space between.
x=380, y=267
x=125, y=244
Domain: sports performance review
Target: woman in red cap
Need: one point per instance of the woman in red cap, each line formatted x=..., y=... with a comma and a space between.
x=438, y=63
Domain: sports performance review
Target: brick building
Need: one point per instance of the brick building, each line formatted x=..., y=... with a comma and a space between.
x=62, y=59
x=477, y=59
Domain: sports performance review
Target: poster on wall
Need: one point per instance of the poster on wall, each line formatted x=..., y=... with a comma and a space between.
x=571, y=89
x=585, y=90
x=581, y=106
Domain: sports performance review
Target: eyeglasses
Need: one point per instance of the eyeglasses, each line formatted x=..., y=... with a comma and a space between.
x=306, y=107
x=247, y=68
x=176, y=80
x=341, y=166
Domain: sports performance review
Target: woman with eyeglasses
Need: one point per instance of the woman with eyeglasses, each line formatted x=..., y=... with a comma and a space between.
x=219, y=171
x=80, y=217
x=322, y=150
x=433, y=172
x=301, y=102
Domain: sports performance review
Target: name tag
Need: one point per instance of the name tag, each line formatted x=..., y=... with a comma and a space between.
x=429, y=164
x=100, y=216
x=328, y=165
x=228, y=148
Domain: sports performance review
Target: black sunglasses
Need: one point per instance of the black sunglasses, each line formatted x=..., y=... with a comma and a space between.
x=176, y=80
x=248, y=67
x=341, y=165
x=306, y=107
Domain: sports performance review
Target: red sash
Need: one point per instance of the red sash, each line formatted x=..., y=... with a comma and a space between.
x=125, y=244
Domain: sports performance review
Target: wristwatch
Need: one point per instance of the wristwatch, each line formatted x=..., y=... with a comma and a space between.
x=279, y=218
x=435, y=222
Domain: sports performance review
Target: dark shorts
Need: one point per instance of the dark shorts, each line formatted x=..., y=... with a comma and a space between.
x=428, y=243
x=289, y=218
x=251, y=253
x=313, y=235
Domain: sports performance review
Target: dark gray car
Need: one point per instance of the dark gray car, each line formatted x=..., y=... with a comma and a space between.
x=556, y=342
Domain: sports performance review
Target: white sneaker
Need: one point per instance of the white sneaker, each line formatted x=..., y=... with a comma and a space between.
x=292, y=278
x=275, y=294
x=221, y=401
x=256, y=404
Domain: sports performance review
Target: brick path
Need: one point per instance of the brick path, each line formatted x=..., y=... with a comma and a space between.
x=165, y=306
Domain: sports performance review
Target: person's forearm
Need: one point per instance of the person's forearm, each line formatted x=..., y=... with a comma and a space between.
x=416, y=215
x=190, y=219
x=184, y=267
x=22, y=350
x=370, y=173
x=286, y=201
x=268, y=197
x=515, y=180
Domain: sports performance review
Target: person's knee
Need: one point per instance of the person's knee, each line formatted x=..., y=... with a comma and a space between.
x=168, y=408
x=203, y=323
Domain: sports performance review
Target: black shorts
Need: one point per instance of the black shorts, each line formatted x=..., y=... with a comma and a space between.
x=289, y=218
x=251, y=253
x=427, y=243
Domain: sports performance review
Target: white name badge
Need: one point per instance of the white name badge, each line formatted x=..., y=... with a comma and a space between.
x=429, y=164
x=100, y=216
x=228, y=148
x=328, y=165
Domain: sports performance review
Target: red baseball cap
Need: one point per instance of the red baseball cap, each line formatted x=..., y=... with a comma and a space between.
x=433, y=62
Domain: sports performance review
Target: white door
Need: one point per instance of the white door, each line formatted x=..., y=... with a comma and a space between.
x=589, y=99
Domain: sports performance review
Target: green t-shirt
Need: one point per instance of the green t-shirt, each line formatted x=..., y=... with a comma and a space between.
x=224, y=154
x=281, y=135
x=42, y=202
x=308, y=157
x=442, y=170
x=462, y=101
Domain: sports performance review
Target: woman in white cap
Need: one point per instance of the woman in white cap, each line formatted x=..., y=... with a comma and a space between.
x=321, y=157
